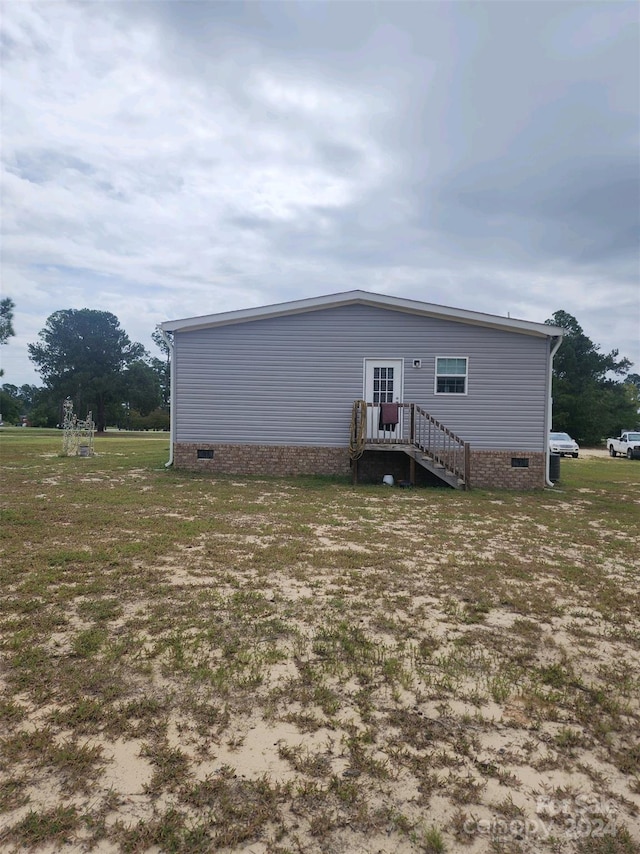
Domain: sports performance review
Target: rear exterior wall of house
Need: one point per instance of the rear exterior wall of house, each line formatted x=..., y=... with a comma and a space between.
x=274, y=395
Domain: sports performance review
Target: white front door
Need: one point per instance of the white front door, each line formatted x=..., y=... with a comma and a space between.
x=383, y=381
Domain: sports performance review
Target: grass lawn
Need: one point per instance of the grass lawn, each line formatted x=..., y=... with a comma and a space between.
x=196, y=664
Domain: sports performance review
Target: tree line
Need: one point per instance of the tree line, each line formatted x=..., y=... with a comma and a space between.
x=594, y=395
x=85, y=355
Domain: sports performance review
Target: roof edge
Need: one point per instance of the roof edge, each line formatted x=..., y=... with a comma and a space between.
x=360, y=297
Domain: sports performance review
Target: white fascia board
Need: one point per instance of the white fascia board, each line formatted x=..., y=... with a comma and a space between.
x=246, y=314
x=409, y=306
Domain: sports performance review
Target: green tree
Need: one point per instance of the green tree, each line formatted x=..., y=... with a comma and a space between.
x=30, y=395
x=588, y=402
x=84, y=354
x=6, y=322
x=10, y=404
x=632, y=391
x=142, y=387
x=40, y=407
x=162, y=367
x=156, y=420
x=18, y=402
x=634, y=379
x=6, y=319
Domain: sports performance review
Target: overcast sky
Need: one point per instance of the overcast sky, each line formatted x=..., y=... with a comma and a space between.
x=164, y=160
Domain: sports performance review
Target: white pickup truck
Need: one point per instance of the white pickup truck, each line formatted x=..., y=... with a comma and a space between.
x=627, y=445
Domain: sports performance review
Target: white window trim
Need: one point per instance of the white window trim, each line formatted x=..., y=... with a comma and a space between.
x=435, y=378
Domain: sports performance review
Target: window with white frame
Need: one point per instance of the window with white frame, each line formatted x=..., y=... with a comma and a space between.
x=451, y=375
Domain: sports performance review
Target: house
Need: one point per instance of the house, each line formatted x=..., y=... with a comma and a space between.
x=363, y=384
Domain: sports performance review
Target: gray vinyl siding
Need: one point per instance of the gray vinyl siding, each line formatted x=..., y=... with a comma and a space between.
x=292, y=380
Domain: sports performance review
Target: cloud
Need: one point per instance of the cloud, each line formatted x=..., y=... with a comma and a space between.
x=171, y=159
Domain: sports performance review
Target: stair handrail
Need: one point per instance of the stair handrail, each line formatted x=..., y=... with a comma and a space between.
x=446, y=452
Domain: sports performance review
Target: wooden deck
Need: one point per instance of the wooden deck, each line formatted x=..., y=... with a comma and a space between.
x=427, y=442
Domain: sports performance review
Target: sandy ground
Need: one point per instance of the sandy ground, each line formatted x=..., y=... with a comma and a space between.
x=592, y=452
x=493, y=765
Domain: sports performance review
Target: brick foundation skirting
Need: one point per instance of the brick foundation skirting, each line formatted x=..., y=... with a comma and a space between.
x=279, y=460
x=489, y=469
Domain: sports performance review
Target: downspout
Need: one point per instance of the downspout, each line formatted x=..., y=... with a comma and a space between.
x=556, y=342
x=172, y=394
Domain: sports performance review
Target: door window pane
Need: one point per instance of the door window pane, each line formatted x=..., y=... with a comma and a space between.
x=383, y=385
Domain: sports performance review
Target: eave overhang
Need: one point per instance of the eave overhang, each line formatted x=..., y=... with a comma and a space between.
x=408, y=306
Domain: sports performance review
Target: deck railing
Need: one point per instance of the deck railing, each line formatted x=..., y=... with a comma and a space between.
x=415, y=427
x=379, y=435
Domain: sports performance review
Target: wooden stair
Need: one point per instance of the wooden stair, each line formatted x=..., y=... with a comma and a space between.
x=436, y=468
x=427, y=442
